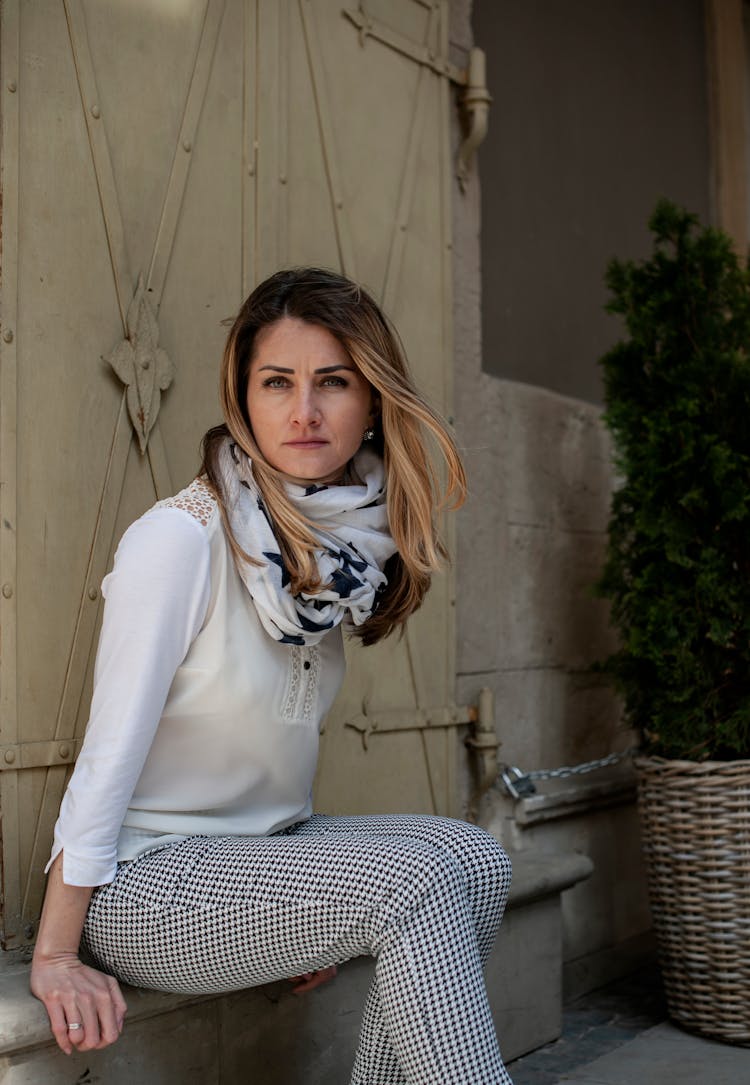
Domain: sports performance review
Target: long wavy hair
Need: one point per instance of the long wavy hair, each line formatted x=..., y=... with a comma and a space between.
x=404, y=428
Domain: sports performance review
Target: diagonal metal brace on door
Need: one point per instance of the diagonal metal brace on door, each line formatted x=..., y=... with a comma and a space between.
x=474, y=100
x=422, y=54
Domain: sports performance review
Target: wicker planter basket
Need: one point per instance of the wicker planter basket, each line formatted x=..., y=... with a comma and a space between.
x=696, y=838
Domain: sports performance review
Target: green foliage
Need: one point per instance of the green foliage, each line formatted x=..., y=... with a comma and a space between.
x=678, y=561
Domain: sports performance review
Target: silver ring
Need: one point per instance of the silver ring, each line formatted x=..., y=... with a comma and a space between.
x=74, y=1025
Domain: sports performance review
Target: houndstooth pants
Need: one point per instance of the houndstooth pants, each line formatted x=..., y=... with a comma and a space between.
x=423, y=895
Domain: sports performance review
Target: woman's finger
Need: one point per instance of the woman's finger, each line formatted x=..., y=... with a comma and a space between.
x=119, y=1003
x=59, y=1026
x=75, y=1022
x=109, y=1028
x=88, y=1037
x=76, y=1031
x=310, y=980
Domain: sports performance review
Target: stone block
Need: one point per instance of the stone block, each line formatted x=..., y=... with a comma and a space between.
x=530, y=542
x=286, y=1038
x=524, y=977
x=175, y=1047
x=598, y=969
x=559, y=460
x=481, y=540
x=550, y=617
x=612, y=905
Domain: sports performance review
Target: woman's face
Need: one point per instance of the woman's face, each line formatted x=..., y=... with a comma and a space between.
x=308, y=403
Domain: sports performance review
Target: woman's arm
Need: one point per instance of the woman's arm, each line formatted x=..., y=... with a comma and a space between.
x=156, y=600
x=72, y=992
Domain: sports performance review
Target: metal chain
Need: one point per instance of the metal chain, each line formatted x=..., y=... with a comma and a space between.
x=520, y=784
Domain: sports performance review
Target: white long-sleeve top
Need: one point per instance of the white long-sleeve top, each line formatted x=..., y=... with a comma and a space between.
x=201, y=723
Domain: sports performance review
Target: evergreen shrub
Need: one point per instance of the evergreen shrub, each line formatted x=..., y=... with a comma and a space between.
x=677, y=572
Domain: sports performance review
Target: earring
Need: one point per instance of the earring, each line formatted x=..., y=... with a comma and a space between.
x=368, y=435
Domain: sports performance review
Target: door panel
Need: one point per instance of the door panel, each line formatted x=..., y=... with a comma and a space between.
x=194, y=147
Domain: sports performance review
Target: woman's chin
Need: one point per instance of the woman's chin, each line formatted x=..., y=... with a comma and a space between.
x=307, y=470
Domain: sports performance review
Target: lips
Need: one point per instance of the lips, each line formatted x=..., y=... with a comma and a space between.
x=313, y=444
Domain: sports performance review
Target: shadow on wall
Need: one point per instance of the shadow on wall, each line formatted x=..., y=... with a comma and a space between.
x=599, y=107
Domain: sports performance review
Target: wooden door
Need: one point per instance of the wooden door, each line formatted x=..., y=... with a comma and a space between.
x=158, y=159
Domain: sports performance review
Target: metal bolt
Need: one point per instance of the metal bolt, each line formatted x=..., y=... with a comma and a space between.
x=339, y=204
x=251, y=171
x=93, y=593
x=7, y=590
x=187, y=145
x=146, y=364
x=10, y=756
x=64, y=750
x=8, y=335
x=283, y=179
x=95, y=112
x=12, y=86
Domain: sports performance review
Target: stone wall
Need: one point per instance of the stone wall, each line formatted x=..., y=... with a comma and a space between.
x=529, y=547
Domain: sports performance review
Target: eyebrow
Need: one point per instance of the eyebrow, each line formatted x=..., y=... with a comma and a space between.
x=324, y=369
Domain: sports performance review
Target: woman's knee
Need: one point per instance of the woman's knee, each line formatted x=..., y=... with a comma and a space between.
x=492, y=853
x=475, y=848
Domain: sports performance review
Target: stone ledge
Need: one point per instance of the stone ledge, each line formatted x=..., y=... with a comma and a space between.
x=23, y=1022
x=536, y=875
x=577, y=795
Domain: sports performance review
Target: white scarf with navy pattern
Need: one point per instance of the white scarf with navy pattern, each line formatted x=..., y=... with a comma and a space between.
x=351, y=523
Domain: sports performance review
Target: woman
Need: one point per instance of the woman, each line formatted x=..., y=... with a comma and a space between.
x=186, y=854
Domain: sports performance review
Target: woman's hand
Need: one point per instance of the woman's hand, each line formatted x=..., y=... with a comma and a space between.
x=308, y=981
x=74, y=994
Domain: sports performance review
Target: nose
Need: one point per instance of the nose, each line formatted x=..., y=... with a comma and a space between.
x=305, y=409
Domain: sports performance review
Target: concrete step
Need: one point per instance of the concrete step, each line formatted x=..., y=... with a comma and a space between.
x=663, y=1055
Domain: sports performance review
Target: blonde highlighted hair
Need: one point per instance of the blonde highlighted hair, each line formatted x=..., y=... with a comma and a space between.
x=404, y=426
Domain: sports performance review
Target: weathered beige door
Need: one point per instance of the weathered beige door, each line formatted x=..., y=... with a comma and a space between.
x=157, y=160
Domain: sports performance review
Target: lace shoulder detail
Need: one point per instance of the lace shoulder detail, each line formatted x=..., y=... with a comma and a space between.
x=198, y=499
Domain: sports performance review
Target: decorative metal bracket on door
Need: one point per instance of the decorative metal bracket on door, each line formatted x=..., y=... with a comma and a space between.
x=144, y=370
x=474, y=99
